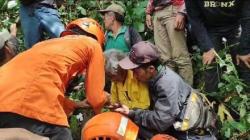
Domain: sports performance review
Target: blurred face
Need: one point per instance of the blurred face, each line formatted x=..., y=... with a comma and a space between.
x=108, y=19
x=142, y=74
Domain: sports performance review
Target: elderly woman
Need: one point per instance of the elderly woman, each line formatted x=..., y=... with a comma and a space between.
x=125, y=89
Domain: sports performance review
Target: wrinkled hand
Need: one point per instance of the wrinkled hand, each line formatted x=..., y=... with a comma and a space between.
x=179, y=22
x=149, y=22
x=208, y=57
x=83, y=104
x=244, y=58
x=123, y=110
x=114, y=106
x=13, y=29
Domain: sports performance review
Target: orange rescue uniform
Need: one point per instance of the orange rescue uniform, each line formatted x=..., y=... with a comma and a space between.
x=33, y=83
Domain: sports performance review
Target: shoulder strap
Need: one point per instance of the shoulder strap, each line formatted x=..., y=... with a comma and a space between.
x=106, y=38
x=127, y=37
x=133, y=36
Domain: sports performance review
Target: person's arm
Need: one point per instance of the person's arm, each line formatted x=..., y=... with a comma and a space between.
x=150, y=7
x=95, y=79
x=244, y=49
x=195, y=18
x=245, y=25
x=164, y=112
x=149, y=11
x=69, y=106
x=180, y=19
x=182, y=9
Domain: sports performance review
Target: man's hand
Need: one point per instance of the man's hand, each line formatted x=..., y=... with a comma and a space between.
x=83, y=104
x=244, y=58
x=149, y=22
x=114, y=106
x=208, y=57
x=179, y=22
x=123, y=110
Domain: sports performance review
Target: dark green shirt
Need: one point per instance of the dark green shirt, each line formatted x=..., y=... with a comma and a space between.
x=118, y=41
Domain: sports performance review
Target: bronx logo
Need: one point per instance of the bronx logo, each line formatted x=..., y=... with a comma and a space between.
x=219, y=3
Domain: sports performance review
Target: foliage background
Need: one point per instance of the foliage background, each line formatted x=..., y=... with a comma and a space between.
x=233, y=104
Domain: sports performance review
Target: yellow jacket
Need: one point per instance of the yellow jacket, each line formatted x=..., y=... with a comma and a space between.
x=132, y=93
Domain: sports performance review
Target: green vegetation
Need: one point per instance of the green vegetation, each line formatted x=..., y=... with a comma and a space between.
x=232, y=100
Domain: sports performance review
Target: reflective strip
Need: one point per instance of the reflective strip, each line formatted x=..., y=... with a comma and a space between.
x=123, y=126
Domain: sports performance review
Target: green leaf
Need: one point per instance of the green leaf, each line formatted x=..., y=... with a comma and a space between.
x=70, y=2
x=239, y=88
x=3, y=4
x=242, y=111
x=220, y=85
x=143, y=3
x=82, y=10
x=248, y=118
x=229, y=69
x=73, y=123
x=244, y=97
x=139, y=11
x=228, y=133
x=139, y=26
x=11, y=4
x=239, y=126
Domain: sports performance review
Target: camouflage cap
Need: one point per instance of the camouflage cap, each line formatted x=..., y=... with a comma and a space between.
x=114, y=8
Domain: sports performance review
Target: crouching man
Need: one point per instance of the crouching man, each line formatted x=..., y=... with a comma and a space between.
x=172, y=99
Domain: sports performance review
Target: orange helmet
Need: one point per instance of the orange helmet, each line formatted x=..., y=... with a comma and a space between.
x=88, y=25
x=163, y=137
x=110, y=125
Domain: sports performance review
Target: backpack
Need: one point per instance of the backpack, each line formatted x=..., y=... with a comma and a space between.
x=199, y=114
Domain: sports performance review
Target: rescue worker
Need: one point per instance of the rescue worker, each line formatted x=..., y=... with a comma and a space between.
x=33, y=84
